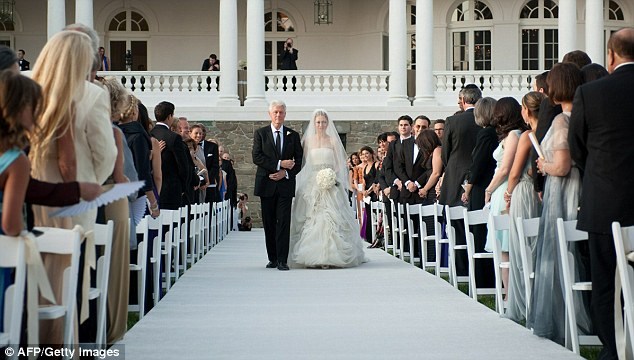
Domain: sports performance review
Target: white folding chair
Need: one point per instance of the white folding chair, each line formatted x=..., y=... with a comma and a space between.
x=167, y=241
x=402, y=231
x=64, y=242
x=439, y=239
x=567, y=232
x=140, y=266
x=206, y=226
x=454, y=213
x=397, y=235
x=13, y=256
x=103, y=238
x=527, y=229
x=426, y=212
x=624, y=246
x=499, y=223
x=412, y=236
x=213, y=226
x=387, y=229
x=475, y=217
x=375, y=207
x=184, y=239
x=155, y=259
x=176, y=243
x=194, y=253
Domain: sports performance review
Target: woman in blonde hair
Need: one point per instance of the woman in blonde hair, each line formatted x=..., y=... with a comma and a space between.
x=74, y=143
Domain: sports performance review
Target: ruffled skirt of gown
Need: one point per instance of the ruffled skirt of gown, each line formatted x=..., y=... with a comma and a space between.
x=324, y=231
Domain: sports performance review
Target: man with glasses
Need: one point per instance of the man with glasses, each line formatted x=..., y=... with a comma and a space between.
x=439, y=128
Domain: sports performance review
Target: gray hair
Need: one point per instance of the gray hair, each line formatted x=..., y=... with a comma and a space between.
x=94, y=38
x=483, y=111
x=471, y=95
x=8, y=58
x=276, y=103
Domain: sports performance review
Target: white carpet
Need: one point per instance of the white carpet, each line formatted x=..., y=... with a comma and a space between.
x=228, y=306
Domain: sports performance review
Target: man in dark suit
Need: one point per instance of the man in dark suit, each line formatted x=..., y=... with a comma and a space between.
x=289, y=56
x=461, y=132
x=277, y=153
x=24, y=65
x=211, y=64
x=174, y=158
x=212, y=163
x=600, y=139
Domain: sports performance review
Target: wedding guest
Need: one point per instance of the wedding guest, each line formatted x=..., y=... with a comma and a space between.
x=561, y=200
x=8, y=59
x=197, y=135
x=370, y=168
x=71, y=106
x=155, y=153
x=211, y=64
x=200, y=170
x=353, y=162
x=593, y=72
x=601, y=144
x=439, y=128
x=23, y=64
x=104, y=62
x=509, y=125
x=210, y=151
x=386, y=178
x=521, y=201
x=479, y=176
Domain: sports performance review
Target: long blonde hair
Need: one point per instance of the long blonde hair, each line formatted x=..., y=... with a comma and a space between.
x=61, y=70
x=119, y=97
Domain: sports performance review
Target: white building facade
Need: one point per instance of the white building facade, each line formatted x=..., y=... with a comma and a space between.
x=375, y=60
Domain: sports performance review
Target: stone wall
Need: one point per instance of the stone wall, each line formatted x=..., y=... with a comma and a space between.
x=237, y=139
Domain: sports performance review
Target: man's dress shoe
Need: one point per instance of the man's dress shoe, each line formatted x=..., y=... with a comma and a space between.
x=282, y=266
x=271, y=265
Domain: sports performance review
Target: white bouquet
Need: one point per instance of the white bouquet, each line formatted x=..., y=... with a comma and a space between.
x=326, y=178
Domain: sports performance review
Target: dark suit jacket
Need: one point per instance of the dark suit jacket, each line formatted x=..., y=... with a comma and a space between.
x=410, y=169
x=213, y=167
x=458, y=142
x=24, y=65
x=600, y=139
x=395, y=151
x=289, y=61
x=266, y=158
x=207, y=65
x=175, y=160
x=547, y=113
x=386, y=174
x=482, y=166
x=232, y=183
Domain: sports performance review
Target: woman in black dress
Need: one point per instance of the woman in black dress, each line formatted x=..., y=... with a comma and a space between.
x=371, y=190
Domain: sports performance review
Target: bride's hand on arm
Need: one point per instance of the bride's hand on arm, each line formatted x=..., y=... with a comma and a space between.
x=288, y=164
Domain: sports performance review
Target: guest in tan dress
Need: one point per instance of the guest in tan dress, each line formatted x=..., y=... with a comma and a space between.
x=75, y=144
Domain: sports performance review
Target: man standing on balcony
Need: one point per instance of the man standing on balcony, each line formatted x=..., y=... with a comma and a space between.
x=289, y=56
x=277, y=153
x=24, y=65
x=211, y=64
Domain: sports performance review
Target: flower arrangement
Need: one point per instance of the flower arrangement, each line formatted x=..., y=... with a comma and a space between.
x=326, y=178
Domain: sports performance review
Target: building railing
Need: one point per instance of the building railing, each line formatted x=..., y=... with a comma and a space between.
x=335, y=87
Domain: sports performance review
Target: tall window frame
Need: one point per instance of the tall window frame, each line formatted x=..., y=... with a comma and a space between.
x=275, y=36
x=539, y=35
x=470, y=36
x=411, y=34
x=614, y=19
x=128, y=30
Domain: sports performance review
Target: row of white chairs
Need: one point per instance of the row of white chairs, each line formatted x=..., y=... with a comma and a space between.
x=186, y=235
x=526, y=229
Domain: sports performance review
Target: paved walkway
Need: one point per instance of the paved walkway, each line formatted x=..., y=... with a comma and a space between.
x=228, y=306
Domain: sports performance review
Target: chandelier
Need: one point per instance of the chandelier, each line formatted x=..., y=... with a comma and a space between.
x=7, y=7
x=323, y=12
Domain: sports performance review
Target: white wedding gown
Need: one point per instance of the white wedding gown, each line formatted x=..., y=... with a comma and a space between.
x=324, y=231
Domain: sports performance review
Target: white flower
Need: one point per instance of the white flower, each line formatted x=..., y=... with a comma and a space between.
x=326, y=178
x=288, y=133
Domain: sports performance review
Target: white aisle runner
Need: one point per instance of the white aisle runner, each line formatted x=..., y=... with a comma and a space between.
x=228, y=306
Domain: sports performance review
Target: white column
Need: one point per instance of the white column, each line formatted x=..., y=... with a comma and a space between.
x=255, y=53
x=229, y=53
x=84, y=12
x=56, y=17
x=398, y=53
x=594, y=31
x=567, y=27
x=424, y=52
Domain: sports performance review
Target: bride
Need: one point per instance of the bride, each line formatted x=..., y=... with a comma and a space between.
x=324, y=232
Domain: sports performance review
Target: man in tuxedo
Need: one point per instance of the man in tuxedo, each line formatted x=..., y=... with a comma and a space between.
x=24, y=65
x=212, y=163
x=174, y=158
x=211, y=64
x=386, y=176
x=277, y=153
x=600, y=139
x=461, y=132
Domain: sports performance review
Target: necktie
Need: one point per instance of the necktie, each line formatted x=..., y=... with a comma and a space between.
x=278, y=143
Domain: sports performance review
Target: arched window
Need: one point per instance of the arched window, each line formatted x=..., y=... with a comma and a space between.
x=614, y=19
x=470, y=33
x=538, y=31
x=128, y=33
x=276, y=33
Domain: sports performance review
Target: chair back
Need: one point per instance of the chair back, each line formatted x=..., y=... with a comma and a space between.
x=499, y=223
x=13, y=256
x=624, y=246
x=103, y=234
x=527, y=229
